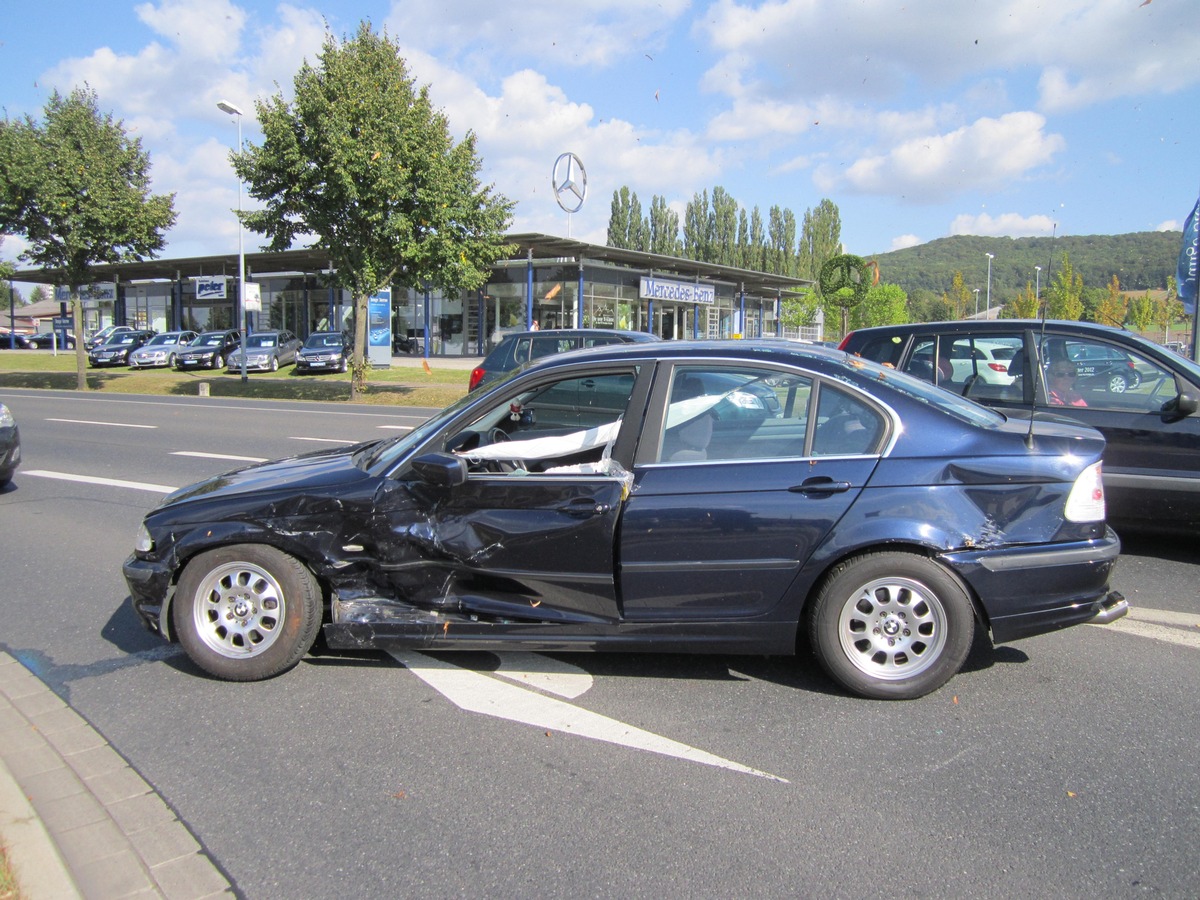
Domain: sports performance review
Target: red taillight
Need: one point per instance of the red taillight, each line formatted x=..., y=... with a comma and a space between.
x=476, y=376
x=998, y=367
x=845, y=341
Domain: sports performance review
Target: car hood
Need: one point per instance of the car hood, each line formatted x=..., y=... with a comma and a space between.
x=297, y=474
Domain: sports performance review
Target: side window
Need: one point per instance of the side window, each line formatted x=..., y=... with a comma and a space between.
x=731, y=413
x=1097, y=374
x=564, y=423
x=846, y=425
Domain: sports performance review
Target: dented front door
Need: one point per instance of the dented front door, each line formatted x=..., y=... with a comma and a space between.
x=535, y=547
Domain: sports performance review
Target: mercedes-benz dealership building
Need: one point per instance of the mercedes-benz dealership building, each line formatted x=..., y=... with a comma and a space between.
x=548, y=282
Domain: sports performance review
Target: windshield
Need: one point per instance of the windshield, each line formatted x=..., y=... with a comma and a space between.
x=323, y=340
x=163, y=339
x=379, y=458
x=121, y=339
x=209, y=340
x=262, y=340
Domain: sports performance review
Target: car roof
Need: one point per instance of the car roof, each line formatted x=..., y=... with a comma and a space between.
x=583, y=332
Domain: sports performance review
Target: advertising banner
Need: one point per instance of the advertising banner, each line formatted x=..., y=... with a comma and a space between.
x=379, y=329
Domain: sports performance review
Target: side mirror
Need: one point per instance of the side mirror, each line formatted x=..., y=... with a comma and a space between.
x=1182, y=405
x=441, y=469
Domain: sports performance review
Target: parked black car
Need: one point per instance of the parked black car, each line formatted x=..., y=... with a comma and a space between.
x=48, y=340
x=1142, y=397
x=10, y=445
x=519, y=347
x=14, y=340
x=324, y=351
x=594, y=502
x=209, y=350
x=115, y=351
x=104, y=334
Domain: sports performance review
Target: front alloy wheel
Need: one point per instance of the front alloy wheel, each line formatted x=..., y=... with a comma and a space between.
x=891, y=625
x=246, y=612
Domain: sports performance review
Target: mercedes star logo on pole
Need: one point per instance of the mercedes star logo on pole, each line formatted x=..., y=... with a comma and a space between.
x=570, y=182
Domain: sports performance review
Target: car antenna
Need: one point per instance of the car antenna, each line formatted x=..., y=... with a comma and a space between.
x=1038, y=344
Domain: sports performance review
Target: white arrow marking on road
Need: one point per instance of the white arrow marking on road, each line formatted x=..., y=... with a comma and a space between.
x=544, y=673
x=106, y=482
x=478, y=693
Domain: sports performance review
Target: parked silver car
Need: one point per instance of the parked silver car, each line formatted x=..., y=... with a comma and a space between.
x=266, y=351
x=161, y=350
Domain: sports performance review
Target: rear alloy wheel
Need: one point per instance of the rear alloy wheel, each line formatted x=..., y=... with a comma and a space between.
x=1117, y=384
x=247, y=611
x=892, y=626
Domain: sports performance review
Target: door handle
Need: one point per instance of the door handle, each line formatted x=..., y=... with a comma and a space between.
x=584, y=508
x=820, y=486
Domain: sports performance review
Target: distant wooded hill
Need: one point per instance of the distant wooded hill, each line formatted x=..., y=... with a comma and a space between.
x=1141, y=261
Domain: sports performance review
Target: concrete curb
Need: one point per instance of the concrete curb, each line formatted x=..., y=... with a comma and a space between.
x=78, y=821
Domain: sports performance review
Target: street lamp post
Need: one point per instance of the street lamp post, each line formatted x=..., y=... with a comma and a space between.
x=976, y=290
x=990, y=257
x=1037, y=291
x=227, y=107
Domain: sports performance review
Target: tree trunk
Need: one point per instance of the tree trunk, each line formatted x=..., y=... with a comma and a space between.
x=80, y=344
x=358, y=359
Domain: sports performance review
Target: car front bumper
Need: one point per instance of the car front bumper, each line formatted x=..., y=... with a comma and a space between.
x=149, y=585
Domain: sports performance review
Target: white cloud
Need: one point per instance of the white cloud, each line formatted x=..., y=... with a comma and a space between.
x=987, y=154
x=1170, y=225
x=1005, y=225
x=590, y=33
x=209, y=30
x=905, y=241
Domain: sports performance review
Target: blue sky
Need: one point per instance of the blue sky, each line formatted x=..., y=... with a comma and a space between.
x=919, y=119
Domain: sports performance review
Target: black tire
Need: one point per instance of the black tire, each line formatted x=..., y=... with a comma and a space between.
x=171, y=361
x=344, y=366
x=274, y=363
x=246, y=612
x=891, y=625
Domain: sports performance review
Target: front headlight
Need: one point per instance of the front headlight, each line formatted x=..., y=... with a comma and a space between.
x=143, y=543
x=6, y=417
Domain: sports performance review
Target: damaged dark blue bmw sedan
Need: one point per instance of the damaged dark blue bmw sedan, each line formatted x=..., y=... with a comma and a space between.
x=731, y=497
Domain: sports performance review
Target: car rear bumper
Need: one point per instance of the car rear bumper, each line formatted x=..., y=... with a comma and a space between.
x=1026, y=591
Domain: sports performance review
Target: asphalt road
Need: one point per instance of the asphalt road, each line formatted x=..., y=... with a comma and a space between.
x=1059, y=766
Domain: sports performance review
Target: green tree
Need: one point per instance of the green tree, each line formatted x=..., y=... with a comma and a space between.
x=757, y=258
x=362, y=161
x=780, y=255
x=800, y=310
x=38, y=294
x=1024, y=306
x=820, y=239
x=959, y=297
x=77, y=187
x=696, y=241
x=885, y=304
x=723, y=228
x=664, y=228
x=1064, y=295
x=1110, y=310
x=1141, y=312
x=618, y=219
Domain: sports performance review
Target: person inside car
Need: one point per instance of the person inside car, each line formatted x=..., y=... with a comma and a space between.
x=1061, y=385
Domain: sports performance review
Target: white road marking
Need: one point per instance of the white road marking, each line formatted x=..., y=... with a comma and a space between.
x=197, y=453
x=111, y=424
x=1160, y=625
x=322, y=440
x=544, y=673
x=105, y=482
x=474, y=692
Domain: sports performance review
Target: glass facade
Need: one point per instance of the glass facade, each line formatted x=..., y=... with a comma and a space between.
x=521, y=293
